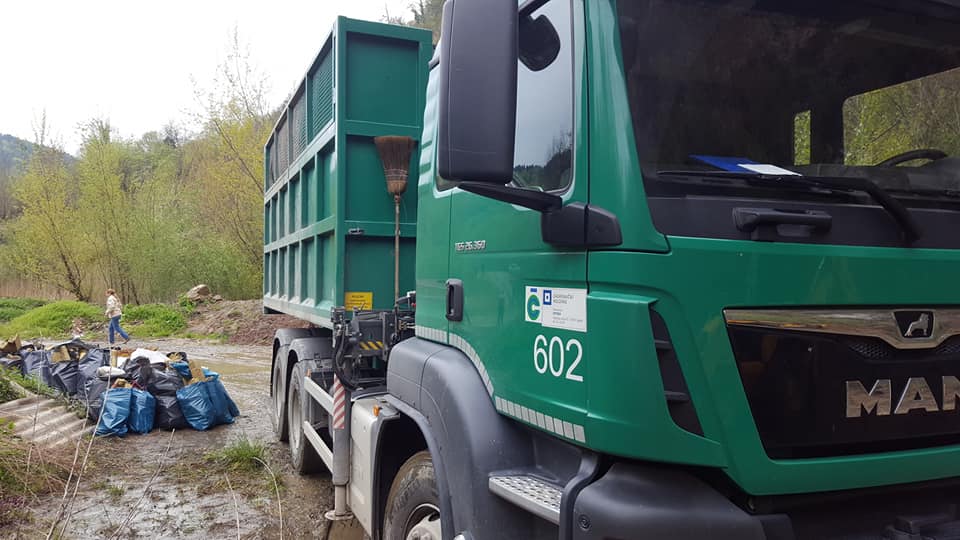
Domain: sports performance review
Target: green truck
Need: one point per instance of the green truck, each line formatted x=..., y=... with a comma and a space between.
x=665, y=269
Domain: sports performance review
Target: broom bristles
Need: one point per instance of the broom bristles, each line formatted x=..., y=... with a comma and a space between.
x=395, y=154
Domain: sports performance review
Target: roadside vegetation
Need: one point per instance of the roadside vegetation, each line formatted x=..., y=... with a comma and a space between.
x=149, y=216
x=55, y=320
x=28, y=472
x=11, y=378
x=14, y=307
x=244, y=466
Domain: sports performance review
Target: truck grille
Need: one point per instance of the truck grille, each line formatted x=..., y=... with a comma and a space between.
x=826, y=394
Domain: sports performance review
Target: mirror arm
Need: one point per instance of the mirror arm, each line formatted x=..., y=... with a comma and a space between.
x=527, y=198
x=576, y=225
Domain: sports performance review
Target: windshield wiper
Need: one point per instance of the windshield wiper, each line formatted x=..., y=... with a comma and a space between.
x=899, y=213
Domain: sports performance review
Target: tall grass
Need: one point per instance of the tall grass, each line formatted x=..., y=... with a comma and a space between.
x=27, y=472
x=240, y=455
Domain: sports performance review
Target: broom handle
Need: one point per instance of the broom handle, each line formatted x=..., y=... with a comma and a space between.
x=396, y=247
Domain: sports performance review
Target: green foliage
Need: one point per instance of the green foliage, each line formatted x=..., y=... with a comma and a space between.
x=154, y=320
x=426, y=14
x=31, y=383
x=14, y=307
x=7, y=391
x=924, y=113
x=115, y=491
x=187, y=305
x=801, y=138
x=241, y=455
x=54, y=319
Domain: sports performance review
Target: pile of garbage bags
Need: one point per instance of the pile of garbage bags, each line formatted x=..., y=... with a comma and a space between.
x=147, y=390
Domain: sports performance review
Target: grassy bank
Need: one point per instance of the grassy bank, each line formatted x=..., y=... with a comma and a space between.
x=33, y=319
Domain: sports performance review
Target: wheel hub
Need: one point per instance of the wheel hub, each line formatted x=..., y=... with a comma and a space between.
x=425, y=521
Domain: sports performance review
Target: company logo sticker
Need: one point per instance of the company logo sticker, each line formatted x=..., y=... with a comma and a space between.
x=556, y=307
x=532, y=304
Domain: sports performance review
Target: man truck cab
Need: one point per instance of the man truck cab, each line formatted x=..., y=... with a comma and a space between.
x=683, y=268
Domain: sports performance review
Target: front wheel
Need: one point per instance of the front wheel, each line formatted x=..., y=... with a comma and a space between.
x=413, y=507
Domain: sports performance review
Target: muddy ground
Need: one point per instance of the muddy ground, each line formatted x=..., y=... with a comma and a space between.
x=160, y=485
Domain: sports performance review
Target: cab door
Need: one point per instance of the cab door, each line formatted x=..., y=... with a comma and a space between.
x=517, y=305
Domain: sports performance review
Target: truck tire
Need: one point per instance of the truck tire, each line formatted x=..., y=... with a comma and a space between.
x=277, y=391
x=304, y=458
x=413, y=507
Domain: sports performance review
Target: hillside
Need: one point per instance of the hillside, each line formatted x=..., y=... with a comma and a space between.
x=14, y=153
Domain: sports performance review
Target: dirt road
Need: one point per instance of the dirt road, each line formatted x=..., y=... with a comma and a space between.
x=161, y=485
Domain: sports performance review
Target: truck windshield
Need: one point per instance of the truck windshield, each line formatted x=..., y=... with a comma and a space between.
x=867, y=89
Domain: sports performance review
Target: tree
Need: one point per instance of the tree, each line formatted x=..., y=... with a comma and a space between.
x=47, y=240
x=426, y=14
x=225, y=164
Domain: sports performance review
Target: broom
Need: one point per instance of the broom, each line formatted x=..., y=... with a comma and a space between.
x=395, y=154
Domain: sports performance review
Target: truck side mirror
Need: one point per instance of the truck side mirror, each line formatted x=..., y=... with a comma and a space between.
x=478, y=91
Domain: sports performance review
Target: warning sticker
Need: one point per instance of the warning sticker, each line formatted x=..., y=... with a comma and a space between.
x=355, y=301
x=556, y=308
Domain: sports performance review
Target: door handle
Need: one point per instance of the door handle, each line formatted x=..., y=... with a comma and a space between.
x=763, y=222
x=454, y=300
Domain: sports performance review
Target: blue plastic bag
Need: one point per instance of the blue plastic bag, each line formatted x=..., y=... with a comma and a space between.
x=115, y=412
x=231, y=406
x=143, y=407
x=206, y=404
x=184, y=370
x=222, y=404
x=196, y=407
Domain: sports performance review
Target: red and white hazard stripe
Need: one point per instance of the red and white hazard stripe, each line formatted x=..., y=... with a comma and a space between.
x=339, y=404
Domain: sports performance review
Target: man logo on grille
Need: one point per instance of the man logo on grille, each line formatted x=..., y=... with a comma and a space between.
x=915, y=324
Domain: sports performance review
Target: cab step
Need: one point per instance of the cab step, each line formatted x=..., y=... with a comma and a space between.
x=536, y=495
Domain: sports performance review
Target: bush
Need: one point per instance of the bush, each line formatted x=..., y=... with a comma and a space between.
x=11, y=308
x=31, y=383
x=54, y=319
x=7, y=391
x=154, y=320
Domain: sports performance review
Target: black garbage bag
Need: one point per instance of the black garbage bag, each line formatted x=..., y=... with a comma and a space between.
x=164, y=383
x=89, y=364
x=65, y=377
x=11, y=361
x=92, y=396
x=168, y=415
x=132, y=368
x=36, y=363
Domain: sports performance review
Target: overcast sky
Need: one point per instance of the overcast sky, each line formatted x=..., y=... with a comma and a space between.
x=131, y=62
